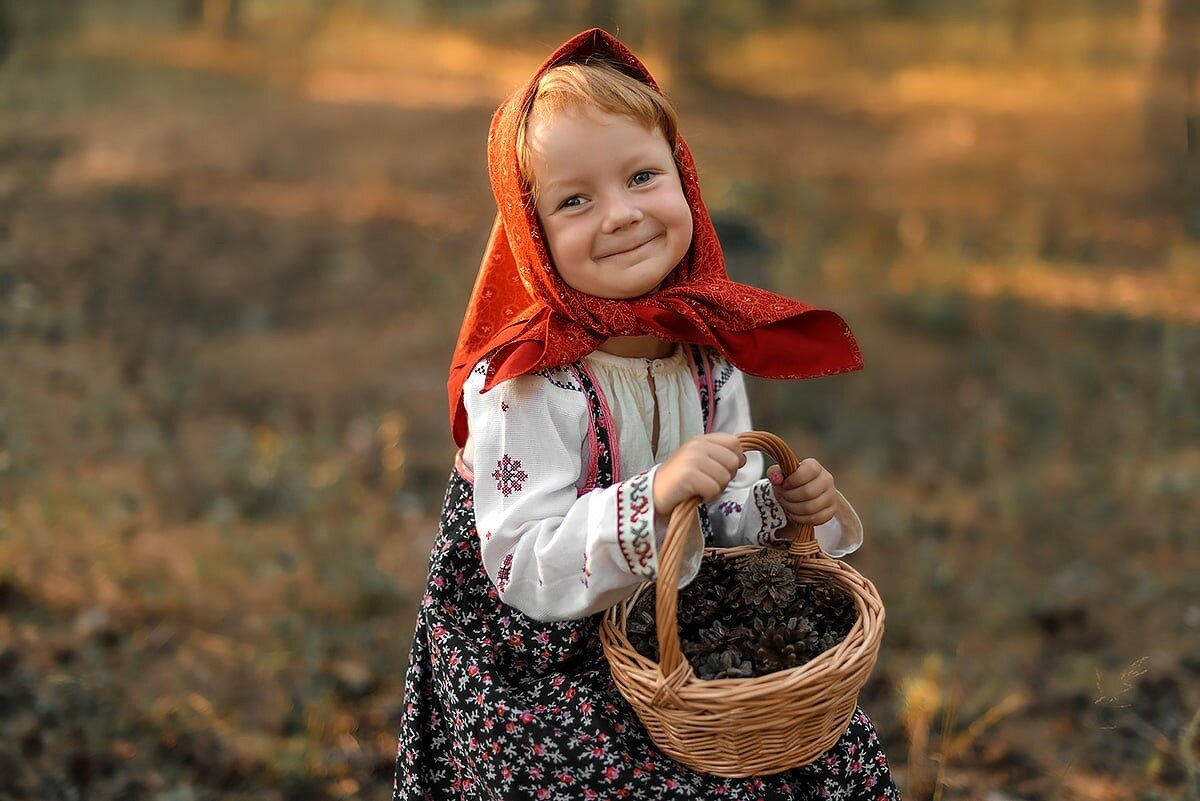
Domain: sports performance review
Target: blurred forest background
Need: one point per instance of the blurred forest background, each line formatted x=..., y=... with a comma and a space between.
x=236, y=239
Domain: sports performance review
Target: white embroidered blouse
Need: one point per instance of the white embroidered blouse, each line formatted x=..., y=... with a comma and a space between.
x=557, y=553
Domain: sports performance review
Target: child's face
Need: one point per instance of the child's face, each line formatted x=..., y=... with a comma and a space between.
x=609, y=200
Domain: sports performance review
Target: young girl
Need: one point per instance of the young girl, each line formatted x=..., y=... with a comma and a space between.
x=597, y=383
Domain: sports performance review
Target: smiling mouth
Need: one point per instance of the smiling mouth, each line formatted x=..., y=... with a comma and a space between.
x=631, y=249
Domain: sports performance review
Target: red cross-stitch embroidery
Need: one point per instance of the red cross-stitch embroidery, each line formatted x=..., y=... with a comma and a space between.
x=509, y=475
x=502, y=575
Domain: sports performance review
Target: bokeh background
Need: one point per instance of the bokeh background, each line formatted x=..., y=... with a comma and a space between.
x=236, y=240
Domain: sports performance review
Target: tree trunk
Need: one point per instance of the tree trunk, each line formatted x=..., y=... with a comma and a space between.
x=1170, y=33
x=223, y=16
x=8, y=31
x=191, y=13
x=232, y=24
x=1020, y=23
x=601, y=14
x=677, y=33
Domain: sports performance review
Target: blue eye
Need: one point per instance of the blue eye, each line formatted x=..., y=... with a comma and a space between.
x=571, y=202
x=641, y=177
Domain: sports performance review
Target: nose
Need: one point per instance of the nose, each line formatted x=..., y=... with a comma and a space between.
x=620, y=211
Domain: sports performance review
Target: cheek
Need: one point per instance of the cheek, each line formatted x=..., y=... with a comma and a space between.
x=679, y=212
x=564, y=243
x=683, y=221
x=553, y=238
x=567, y=248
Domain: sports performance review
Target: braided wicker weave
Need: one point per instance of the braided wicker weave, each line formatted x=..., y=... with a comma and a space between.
x=753, y=726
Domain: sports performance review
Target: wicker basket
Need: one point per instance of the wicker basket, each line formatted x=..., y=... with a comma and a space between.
x=753, y=726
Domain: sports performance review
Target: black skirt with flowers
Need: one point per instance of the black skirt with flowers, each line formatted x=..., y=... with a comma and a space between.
x=503, y=707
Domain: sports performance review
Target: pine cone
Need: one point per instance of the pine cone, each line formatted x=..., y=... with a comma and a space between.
x=767, y=586
x=779, y=645
x=640, y=627
x=706, y=598
x=727, y=664
x=718, y=637
x=832, y=609
x=697, y=613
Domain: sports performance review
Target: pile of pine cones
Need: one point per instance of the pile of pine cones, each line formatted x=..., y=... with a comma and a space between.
x=748, y=616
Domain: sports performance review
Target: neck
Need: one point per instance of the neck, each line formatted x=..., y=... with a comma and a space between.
x=643, y=347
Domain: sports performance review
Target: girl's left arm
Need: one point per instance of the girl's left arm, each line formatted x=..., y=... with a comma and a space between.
x=748, y=512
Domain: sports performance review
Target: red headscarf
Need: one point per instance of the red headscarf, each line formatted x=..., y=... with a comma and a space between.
x=524, y=315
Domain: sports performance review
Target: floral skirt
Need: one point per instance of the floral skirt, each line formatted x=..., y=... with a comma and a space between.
x=502, y=707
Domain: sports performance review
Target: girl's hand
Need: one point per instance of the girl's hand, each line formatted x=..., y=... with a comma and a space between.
x=702, y=467
x=807, y=495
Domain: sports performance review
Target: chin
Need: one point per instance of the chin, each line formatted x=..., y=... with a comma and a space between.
x=642, y=294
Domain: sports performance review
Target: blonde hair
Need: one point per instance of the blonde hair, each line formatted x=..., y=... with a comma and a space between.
x=603, y=86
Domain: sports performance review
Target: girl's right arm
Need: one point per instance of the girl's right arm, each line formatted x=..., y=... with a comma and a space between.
x=553, y=553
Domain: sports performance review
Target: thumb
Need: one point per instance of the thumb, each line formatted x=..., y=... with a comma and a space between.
x=775, y=475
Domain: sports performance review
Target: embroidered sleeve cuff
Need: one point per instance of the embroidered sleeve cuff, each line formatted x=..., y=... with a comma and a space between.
x=640, y=533
x=840, y=537
x=771, y=515
x=635, y=525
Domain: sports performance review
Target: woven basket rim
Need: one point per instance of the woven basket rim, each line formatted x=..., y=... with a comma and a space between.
x=618, y=615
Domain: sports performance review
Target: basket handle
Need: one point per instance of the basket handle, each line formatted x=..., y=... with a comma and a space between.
x=803, y=545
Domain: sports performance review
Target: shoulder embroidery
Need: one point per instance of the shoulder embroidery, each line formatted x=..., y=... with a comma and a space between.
x=722, y=369
x=560, y=377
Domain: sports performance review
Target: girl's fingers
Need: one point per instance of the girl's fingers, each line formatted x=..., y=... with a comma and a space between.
x=815, y=519
x=805, y=472
x=726, y=444
x=823, y=482
x=728, y=460
x=719, y=463
x=808, y=470
x=816, y=488
x=810, y=506
x=702, y=468
x=708, y=488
